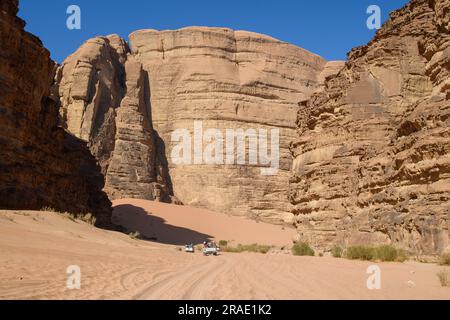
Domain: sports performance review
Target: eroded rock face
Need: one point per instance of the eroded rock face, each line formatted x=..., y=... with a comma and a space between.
x=134, y=162
x=372, y=160
x=91, y=87
x=106, y=101
x=226, y=79
x=41, y=165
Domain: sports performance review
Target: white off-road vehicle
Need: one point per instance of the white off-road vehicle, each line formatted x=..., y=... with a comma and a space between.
x=189, y=248
x=210, y=248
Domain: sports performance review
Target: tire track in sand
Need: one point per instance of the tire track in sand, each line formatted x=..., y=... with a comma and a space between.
x=203, y=284
x=186, y=282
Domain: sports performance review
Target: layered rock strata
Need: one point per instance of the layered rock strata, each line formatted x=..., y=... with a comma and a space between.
x=221, y=78
x=372, y=157
x=105, y=100
x=41, y=165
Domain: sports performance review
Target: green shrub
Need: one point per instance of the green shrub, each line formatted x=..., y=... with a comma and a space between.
x=247, y=248
x=360, y=253
x=445, y=260
x=135, y=235
x=382, y=253
x=444, y=278
x=263, y=249
x=223, y=243
x=336, y=252
x=88, y=218
x=48, y=209
x=69, y=216
x=386, y=253
x=302, y=249
x=255, y=248
x=230, y=249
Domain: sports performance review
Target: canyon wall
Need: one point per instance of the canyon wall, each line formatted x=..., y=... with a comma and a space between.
x=41, y=165
x=364, y=147
x=105, y=100
x=372, y=156
x=226, y=79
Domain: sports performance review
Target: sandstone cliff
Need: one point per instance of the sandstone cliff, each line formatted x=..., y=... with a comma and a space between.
x=41, y=165
x=105, y=100
x=372, y=160
x=134, y=161
x=370, y=139
x=226, y=79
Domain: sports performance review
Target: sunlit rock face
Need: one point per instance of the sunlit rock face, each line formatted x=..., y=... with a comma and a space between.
x=228, y=80
x=221, y=78
x=372, y=162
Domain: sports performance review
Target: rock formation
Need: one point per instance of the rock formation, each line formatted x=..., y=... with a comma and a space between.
x=134, y=159
x=370, y=139
x=372, y=159
x=106, y=101
x=226, y=79
x=41, y=165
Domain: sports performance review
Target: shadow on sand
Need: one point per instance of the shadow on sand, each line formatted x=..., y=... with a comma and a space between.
x=154, y=228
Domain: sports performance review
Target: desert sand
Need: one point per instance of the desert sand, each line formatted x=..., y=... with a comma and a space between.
x=37, y=247
x=180, y=225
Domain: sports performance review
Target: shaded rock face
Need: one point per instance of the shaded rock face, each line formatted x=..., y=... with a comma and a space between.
x=105, y=100
x=372, y=159
x=41, y=165
x=226, y=79
x=134, y=160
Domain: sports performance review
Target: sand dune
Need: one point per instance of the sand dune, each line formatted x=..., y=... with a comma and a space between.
x=180, y=225
x=37, y=247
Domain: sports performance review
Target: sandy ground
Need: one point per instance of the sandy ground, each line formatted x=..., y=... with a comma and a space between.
x=181, y=225
x=37, y=247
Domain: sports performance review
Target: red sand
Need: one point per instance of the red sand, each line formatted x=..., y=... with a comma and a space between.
x=37, y=247
x=173, y=224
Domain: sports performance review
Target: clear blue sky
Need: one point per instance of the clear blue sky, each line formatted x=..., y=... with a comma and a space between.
x=329, y=28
